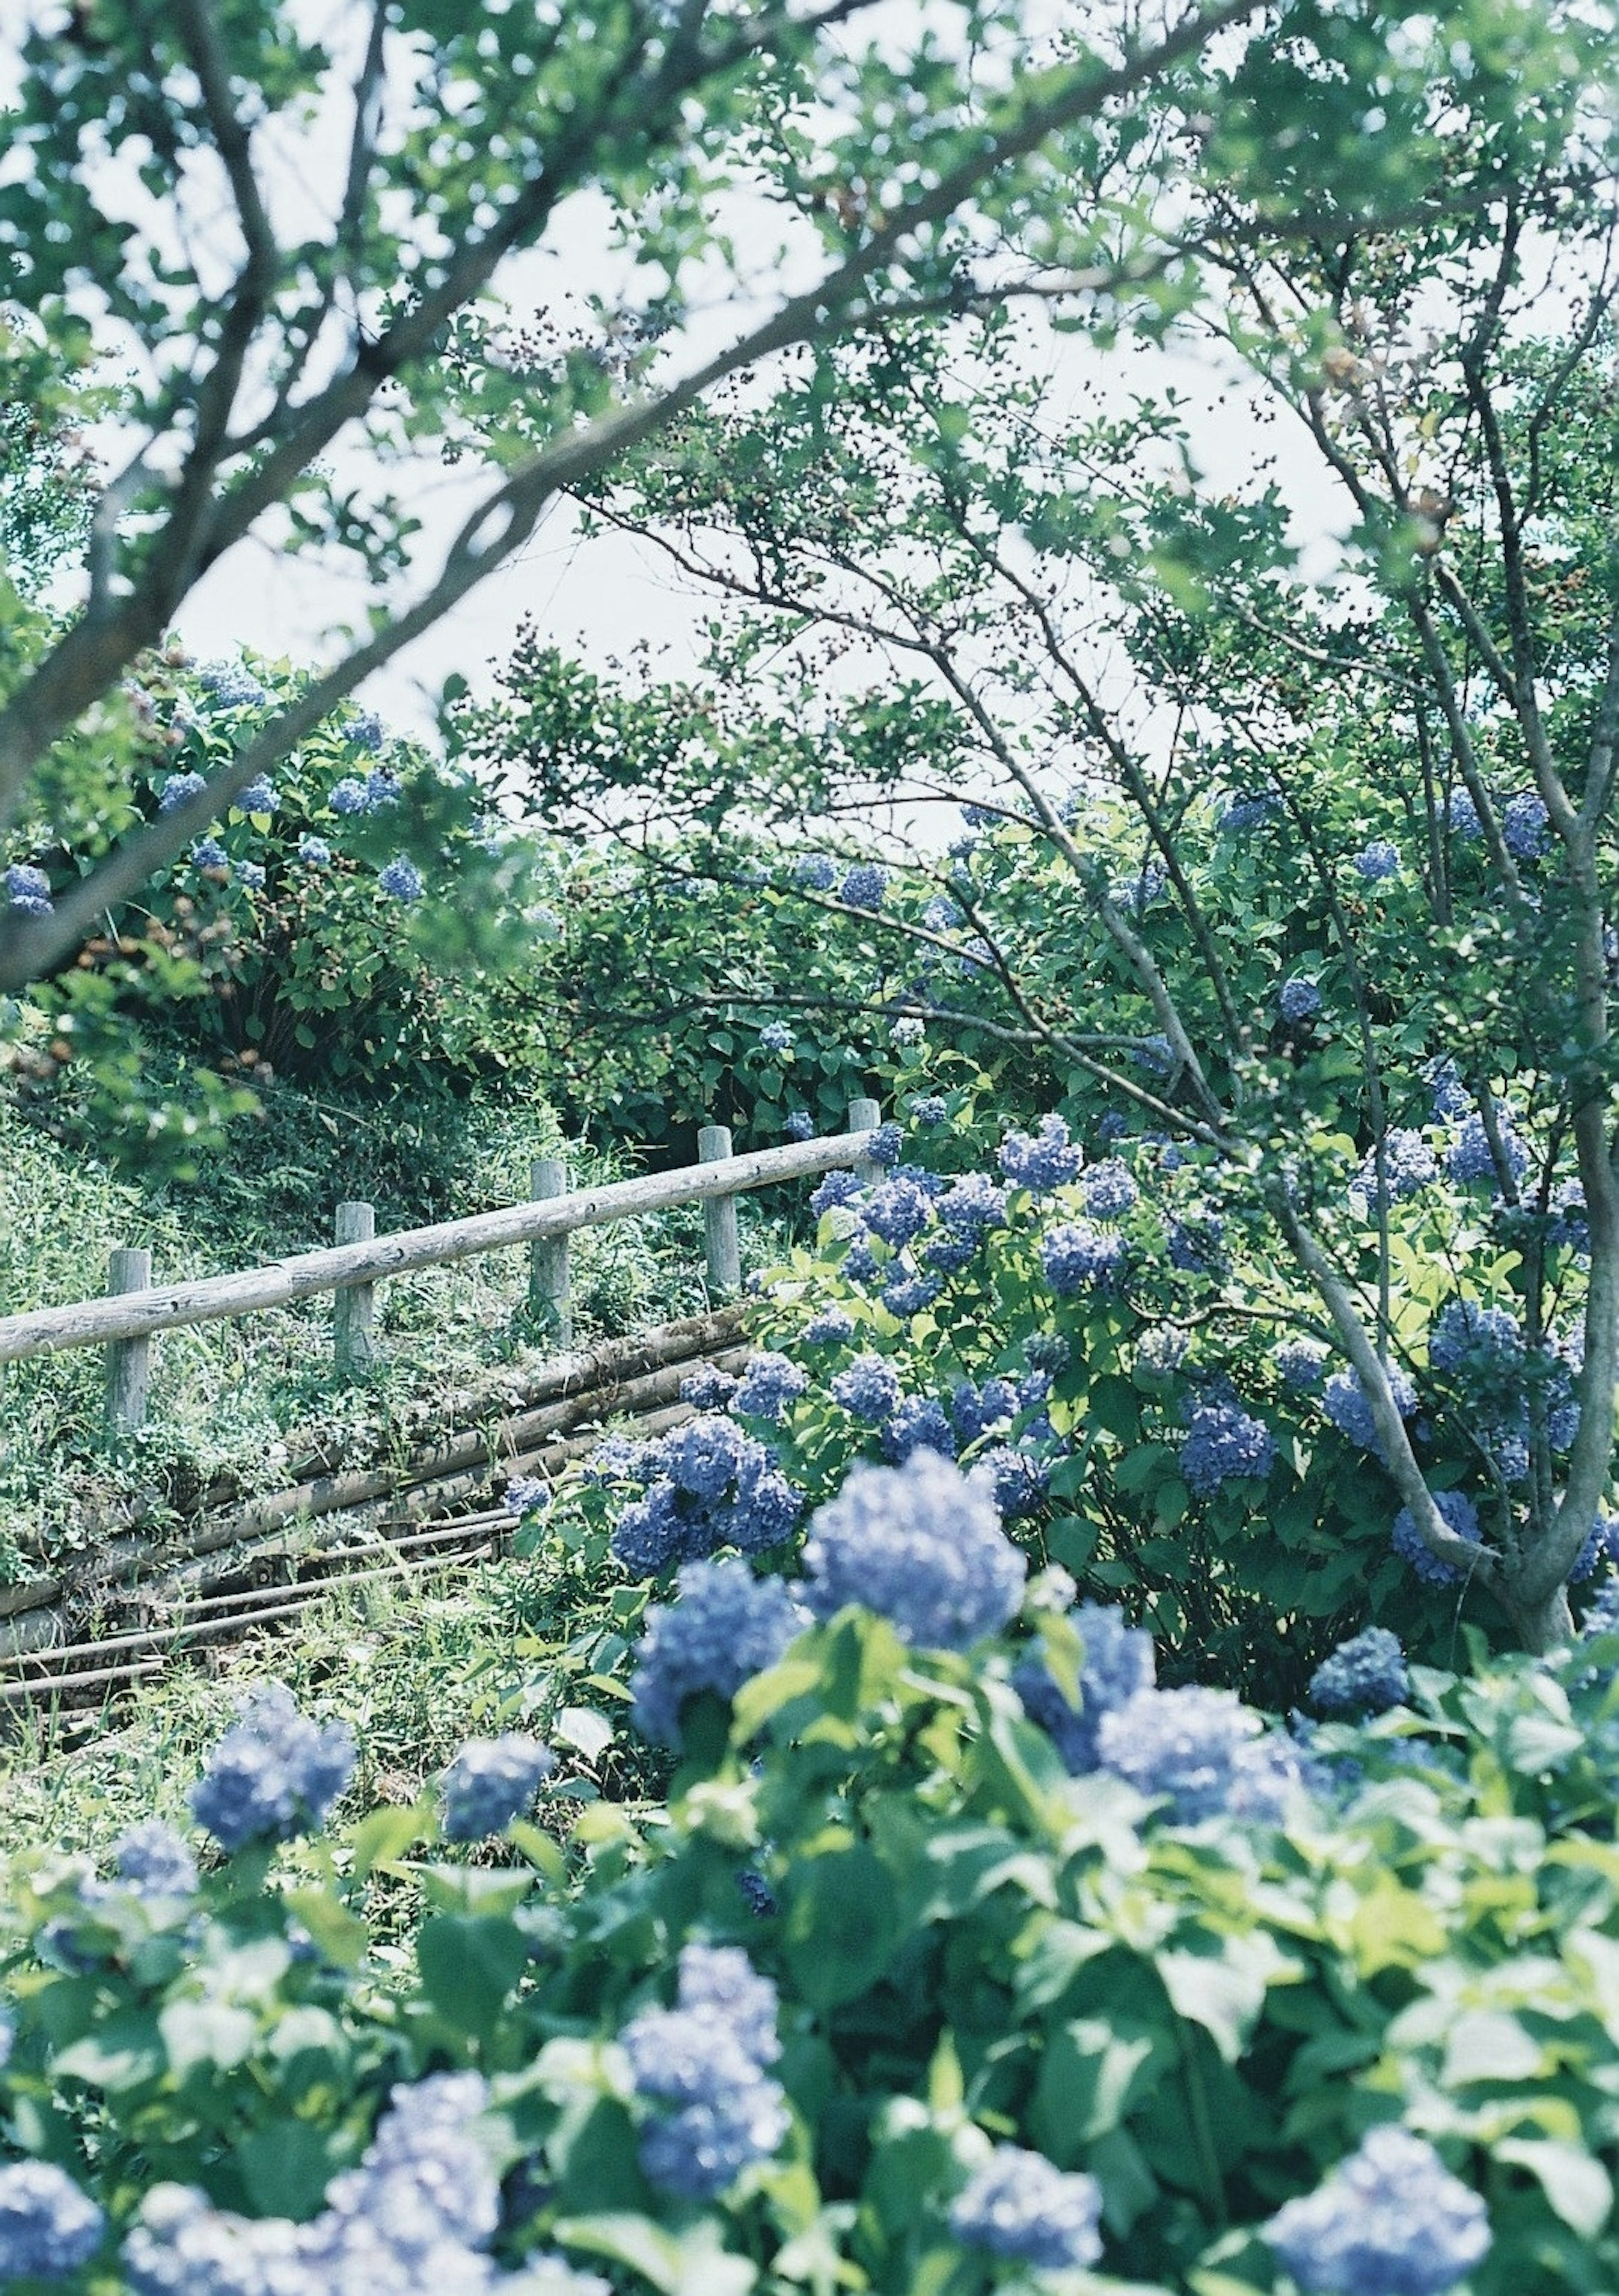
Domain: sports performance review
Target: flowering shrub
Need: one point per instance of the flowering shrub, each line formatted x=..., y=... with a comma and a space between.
x=958, y=1950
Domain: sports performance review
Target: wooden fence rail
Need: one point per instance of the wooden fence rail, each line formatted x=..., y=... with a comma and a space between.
x=132, y=1311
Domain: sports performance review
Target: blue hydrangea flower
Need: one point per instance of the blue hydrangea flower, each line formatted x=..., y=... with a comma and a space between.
x=1366, y=1675
x=349, y=796
x=1459, y=1515
x=1377, y=861
x=231, y=686
x=1046, y=1351
x=1526, y=830
x=251, y=874
x=725, y=2113
x=1391, y=2220
x=828, y=1328
x=1018, y=2205
x=402, y=881
x=1109, y=1189
x=885, y=1145
x=28, y=889
x=898, y=1209
x=920, y=1543
x=861, y=1264
x=1301, y=1363
x=1467, y=1337
x=837, y=1188
x=1137, y=894
x=314, y=851
x=382, y=788
x=769, y=1385
x=703, y=1458
x=910, y=1295
x=1155, y=1053
x=708, y=1387
x=1568, y=1224
x=971, y=1207
x=1223, y=1444
x=722, y=1980
x=724, y=1626
x=1077, y=1257
x=154, y=1861
x=1043, y=1161
x=1298, y=999
x=798, y=1124
x=364, y=730
x=1344, y=1401
x=918, y=1422
x=1020, y=1480
x=48, y=2228
x=1601, y=1545
x=815, y=872
x=929, y=1110
x=1203, y=1750
x=977, y=1410
x=1163, y=1349
x=908, y=1032
x=1246, y=811
x=1118, y=1662
x=1195, y=1243
x=527, y=1495
x=864, y=887
x=1452, y=1096
x=776, y=1036
x=492, y=1780
x=867, y=1389
x=1409, y=1166
x=1468, y=1158
x=208, y=853
x=178, y=790
x=258, y=795
x=274, y=1774
x=942, y=915
x=1461, y=817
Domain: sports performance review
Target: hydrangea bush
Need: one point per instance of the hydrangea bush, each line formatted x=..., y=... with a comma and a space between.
x=959, y=1956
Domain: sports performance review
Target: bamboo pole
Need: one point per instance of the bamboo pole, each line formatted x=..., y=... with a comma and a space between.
x=91, y=1321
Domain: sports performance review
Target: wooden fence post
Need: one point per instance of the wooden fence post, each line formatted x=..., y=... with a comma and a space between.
x=550, y=1283
x=724, y=1250
x=354, y=1307
x=865, y=1116
x=127, y=1360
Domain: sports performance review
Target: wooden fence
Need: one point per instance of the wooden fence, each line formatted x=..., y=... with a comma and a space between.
x=133, y=1308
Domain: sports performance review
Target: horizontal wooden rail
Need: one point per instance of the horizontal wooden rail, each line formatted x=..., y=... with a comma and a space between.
x=133, y=1315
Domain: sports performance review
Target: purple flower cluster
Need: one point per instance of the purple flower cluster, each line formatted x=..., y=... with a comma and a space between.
x=724, y=1626
x=702, y=2063
x=1021, y=1481
x=1301, y=1363
x=928, y=1109
x=1391, y=2220
x=920, y=1544
x=798, y=1124
x=1020, y=2207
x=899, y=1210
x=492, y=1780
x=1117, y=1663
x=1298, y=999
x=251, y=874
x=1461, y=817
x=314, y=851
x=208, y=853
x=918, y=1422
x=770, y=1385
x=1452, y=1096
x=828, y=1328
x=1377, y=861
x=1245, y=810
x=815, y=871
x=1467, y=1339
x=1459, y=1514
x=402, y=881
x=1109, y=1189
x=1077, y=1257
x=1468, y=1158
x=976, y=1411
x=364, y=730
x=1525, y=830
x=28, y=889
x=153, y=1861
x=1195, y=1242
x=838, y=1188
x=707, y=1485
x=48, y=2228
x=1222, y=1445
x=259, y=797
x=776, y=1036
x=1409, y=1166
x=910, y=1295
x=1045, y=1161
x=274, y=1774
x=1344, y=1401
x=231, y=686
x=1366, y=1675
x=1202, y=1749
x=885, y=1145
x=178, y=790
x=864, y=887
x=708, y=1387
x=867, y=1389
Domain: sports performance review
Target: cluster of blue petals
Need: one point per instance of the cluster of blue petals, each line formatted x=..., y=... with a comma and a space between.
x=1224, y=1443
x=1046, y=1160
x=274, y=1774
x=1018, y=2205
x=705, y=1485
x=492, y=1780
x=1460, y=1515
x=701, y=2065
x=28, y=889
x=1391, y=2220
x=724, y=1626
x=1366, y=1675
x=921, y=1544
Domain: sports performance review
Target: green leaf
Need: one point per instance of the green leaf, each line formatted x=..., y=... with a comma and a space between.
x=206, y=2033
x=286, y=2166
x=692, y=2263
x=341, y=1936
x=468, y=1964
x=1578, y=2186
x=840, y=1924
x=386, y=1833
